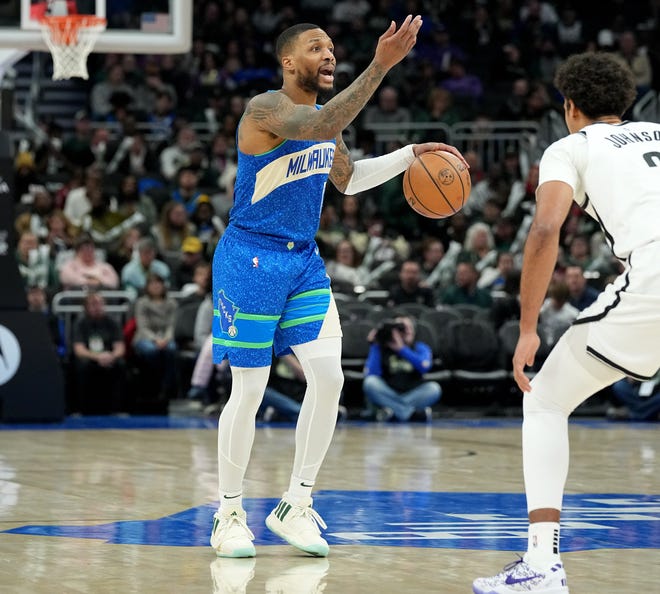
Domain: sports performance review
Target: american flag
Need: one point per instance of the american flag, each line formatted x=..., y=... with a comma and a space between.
x=155, y=22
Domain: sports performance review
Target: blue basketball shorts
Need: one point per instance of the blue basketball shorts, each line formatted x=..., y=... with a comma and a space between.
x=268, y=295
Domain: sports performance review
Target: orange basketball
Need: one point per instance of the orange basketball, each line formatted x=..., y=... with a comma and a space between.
x=437, y=184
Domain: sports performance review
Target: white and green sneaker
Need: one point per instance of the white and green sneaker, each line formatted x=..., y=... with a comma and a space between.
x=299, y=526
x=230, y=536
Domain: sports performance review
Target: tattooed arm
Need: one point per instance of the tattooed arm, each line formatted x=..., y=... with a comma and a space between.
x=354, y=177
x=342, y=166
x=277, y=115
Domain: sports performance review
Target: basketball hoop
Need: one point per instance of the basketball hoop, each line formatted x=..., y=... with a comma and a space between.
x=70, y=40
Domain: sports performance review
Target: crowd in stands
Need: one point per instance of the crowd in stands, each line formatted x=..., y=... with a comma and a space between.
x=136, y=195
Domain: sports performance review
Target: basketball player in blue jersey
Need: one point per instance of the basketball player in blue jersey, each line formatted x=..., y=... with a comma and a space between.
x=612, y=169
x=270, y=287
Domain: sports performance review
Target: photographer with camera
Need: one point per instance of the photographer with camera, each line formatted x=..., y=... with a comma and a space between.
x=394, y=372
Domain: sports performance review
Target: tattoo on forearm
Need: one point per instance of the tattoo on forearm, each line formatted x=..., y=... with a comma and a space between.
x=276, y=113
x=342, y=167
x=347, y=105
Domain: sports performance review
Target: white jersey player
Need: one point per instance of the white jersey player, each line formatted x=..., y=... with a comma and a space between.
x=612, y=169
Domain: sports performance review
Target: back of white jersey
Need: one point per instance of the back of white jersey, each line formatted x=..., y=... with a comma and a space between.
x=615, y=173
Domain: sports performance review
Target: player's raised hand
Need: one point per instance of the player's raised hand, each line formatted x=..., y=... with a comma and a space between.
x=394, y=45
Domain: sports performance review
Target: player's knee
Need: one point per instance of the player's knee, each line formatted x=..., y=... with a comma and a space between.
x=539, y=401
x=248, y=384
x=371, y=383
x=334, y=378
x=324, y=375
x=435, y=389
x=330, y=377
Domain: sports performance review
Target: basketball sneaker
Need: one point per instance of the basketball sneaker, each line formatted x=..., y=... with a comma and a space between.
x=230, y=536
x=299, y=526
x=231, y=576
x=521, y=577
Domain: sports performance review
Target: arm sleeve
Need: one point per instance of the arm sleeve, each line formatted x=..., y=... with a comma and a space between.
x=419, y=355
x=203, y=322
x=369, y=173
x=70, y=275
x=171, y=308
x=109, y=276
x=373, y=364
x=78, y=335
x=142, y=323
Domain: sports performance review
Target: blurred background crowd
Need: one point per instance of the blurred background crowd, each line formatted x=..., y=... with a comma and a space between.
x=126, y=200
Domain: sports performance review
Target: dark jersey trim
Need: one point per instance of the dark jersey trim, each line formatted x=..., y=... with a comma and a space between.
x=609, y=308
x=609, y=363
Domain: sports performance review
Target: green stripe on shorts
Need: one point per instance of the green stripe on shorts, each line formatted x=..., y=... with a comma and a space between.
x=243, y=344
x=304, y=320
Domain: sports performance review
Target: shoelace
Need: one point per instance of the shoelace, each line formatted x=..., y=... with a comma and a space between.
x=241, y=522
x=311, y=514
x=513, y=565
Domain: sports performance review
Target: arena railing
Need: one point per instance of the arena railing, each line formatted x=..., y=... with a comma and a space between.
x=489, y=138
x=69, y=304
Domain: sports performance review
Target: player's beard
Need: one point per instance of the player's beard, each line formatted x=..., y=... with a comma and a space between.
x=325, y=95
x=310, y=82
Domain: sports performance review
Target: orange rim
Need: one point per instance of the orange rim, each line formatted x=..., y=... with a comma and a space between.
x=64, y=29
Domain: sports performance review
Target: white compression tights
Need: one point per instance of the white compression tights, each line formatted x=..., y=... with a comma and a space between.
x=321, y=362
x=567, y=378
x=236, y=425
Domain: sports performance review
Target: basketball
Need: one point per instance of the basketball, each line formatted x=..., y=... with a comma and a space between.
x=437, y=184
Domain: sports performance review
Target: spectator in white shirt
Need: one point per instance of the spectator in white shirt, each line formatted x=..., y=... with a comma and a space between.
x=176, y=156
x=77, y=203
x=557, y=314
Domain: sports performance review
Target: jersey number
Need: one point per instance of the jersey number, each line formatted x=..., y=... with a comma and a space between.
x=652, y=159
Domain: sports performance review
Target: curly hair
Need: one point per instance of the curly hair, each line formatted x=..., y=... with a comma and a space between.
x=599, y=84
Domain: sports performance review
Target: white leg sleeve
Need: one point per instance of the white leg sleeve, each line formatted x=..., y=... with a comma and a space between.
x=567, y=378
x=321, y=362
x=236, y=425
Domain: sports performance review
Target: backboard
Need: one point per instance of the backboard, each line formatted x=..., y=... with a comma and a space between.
x=134, y=26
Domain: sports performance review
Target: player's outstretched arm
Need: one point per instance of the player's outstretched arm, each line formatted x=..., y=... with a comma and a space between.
x=353, y=177
x=277, y=114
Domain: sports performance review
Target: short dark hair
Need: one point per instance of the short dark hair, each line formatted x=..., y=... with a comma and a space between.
x=559, y=290
x=146, y=243
x=598, y=83
x=154, y=276
x=287, y=37
x=83, y=239
x=90, y=296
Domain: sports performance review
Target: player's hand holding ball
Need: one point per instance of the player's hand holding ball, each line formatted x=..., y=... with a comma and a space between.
x=437, y=183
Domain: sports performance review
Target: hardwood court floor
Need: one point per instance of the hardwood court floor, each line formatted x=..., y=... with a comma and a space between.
x=126, y=506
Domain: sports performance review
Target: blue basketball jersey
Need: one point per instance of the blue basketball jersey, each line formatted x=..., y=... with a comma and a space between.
x=270, y=287
x=280, y=193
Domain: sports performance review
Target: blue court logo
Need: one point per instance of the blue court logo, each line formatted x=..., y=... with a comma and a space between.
x=483, y=521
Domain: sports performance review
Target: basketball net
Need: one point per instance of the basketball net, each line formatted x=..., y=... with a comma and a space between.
x=70, y=40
